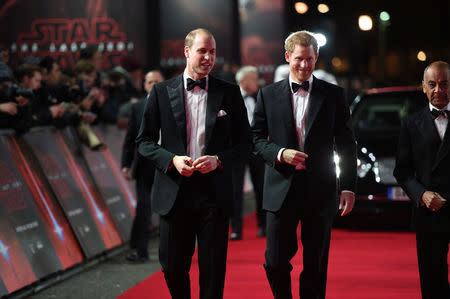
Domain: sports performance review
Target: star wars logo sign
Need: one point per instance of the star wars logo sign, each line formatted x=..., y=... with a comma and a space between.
x=63, y=38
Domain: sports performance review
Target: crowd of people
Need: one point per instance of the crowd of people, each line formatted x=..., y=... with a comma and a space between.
x=38, y=92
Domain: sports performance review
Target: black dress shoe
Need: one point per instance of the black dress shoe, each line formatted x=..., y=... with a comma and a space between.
x=136, y=257
x=235, y=237
x=261, y=232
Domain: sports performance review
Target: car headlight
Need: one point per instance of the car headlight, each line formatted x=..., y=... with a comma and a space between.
x=367, y=162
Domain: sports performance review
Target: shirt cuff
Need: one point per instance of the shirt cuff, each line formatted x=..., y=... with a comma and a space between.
x=279, y=154
x=348, y=191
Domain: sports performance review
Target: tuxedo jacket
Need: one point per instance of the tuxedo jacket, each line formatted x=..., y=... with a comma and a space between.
x=226, y=135
x=423, y=164
x=328, y=127
x=130, y=157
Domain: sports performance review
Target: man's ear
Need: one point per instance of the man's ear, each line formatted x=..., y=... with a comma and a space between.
x=286, y=56
x=186, y=51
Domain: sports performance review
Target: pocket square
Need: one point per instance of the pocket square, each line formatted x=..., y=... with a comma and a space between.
x=221, y=113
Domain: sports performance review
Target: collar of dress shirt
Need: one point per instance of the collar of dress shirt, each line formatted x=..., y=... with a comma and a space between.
x=445, y=108
x=310, y=79
x=186, y=76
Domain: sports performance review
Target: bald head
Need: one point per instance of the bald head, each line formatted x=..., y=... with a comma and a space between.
x=435, y=84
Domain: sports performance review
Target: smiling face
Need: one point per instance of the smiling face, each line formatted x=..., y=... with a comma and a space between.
x=201, y=55
x=436, y=86
x=302, y=61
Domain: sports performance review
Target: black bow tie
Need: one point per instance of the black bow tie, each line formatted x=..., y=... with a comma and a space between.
x=296, y=86
x=435, y=113
x=192, y=83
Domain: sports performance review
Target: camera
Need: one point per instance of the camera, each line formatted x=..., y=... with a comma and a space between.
x=10, y=92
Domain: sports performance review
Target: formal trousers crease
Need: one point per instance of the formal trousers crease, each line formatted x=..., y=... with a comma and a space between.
x=195, y=216
x=282, y=244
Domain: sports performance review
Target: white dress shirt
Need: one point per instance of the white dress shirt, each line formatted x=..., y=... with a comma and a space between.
x=300, y=101
x=195, y=106
x=441, y=122
x=249, y=103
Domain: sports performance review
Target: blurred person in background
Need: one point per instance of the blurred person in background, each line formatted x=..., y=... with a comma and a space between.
x=15, y=107
x=423, y=171
x=46, y=110
x=142, y=170
x=248, y=81
x=94, y=55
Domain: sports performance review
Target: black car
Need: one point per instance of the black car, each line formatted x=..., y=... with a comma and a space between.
x=377, y=116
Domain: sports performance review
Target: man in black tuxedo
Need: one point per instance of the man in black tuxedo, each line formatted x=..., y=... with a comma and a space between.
x=142, y=170
x=423, y=170
x=204, y=128
x=297, y=124
x=247, y=78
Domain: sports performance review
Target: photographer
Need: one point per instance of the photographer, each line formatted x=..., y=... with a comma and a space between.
x=15, y=110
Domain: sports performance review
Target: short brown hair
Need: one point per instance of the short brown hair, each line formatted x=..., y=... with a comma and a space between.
x=84, y=66
x=26, y=70
x=189, y=40
x=302, y=38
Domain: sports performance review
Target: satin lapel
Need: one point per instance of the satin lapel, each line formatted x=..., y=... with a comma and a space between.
x=444, y=148
x=213, y=103
x=177, y=102
x=315, y=102
x=284, y=98
x=427, y=129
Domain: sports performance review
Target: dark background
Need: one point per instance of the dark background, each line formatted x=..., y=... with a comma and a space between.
x=153, y=31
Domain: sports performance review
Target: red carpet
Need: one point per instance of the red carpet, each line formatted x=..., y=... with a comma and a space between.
x=363, y=265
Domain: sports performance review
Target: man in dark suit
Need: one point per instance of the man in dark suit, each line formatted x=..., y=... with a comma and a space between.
x=204, y=128
x=423, y=170
x=247, y=78
x=135, y=166
x=297, y=124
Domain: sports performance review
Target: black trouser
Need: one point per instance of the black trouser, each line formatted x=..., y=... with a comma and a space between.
x=282, y=246
x=432, y=251
x=256, y=167
x=140, y=230
x=195, y=215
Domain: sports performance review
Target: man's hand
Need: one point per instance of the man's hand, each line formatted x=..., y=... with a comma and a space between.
x=57, y=110
x=294, y=157
x=183, y=164
x=433, y=200
x=126, y=172
x=9, y=108
x=347, y=202
x=206, y=164
x=21, y=101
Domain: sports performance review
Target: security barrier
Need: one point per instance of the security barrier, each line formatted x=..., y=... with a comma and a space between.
x=61, y=204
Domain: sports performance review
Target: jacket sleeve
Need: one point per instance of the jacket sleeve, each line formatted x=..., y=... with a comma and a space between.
x=344, y=139
x=147, y=139
x=263, y=146
x=404, y=170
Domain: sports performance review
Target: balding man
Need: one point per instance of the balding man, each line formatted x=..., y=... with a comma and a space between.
x=143, y=171
x=248, y=79
x=423, y=170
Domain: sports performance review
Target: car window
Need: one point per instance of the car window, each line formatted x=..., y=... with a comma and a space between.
x=384, y=112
